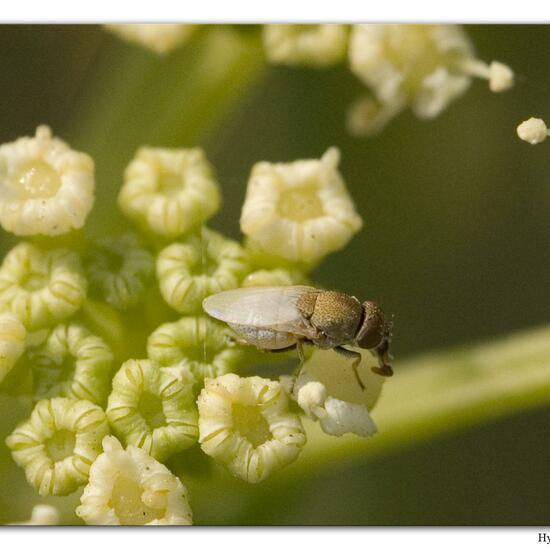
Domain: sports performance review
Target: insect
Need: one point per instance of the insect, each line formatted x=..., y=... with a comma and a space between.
x=280, y=318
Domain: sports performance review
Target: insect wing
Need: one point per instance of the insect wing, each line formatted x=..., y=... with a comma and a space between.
x=273, y=307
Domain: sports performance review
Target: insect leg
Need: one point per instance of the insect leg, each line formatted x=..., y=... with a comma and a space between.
x=356, y=361
x=384, y=357
x=300, y=350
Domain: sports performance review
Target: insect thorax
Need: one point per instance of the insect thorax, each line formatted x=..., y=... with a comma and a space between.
x=335, y=314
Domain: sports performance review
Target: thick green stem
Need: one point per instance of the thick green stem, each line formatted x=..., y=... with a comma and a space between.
x=437, y=393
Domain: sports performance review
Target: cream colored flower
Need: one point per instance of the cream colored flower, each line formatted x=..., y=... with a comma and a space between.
x=161, y=38
x=198, y=344
x=169, y=191
x=424, y=66
x=12, y=342
x=40, y=287
x=299, y=211
x=46, y=188
x=128, y=487
x=42, y=514
x=119, y=270
x=201, y=265
x=316, y=45
x=533, y=131
x=57, y=445
x=74, y=363
x=327, y=391
x=245, y=424
x=153, y=408
x=275, y=277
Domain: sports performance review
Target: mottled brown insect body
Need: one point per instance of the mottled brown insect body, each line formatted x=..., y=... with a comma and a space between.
x=277, y=318
x=335, y=315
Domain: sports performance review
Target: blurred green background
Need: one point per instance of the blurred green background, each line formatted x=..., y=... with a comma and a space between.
x=454, y=243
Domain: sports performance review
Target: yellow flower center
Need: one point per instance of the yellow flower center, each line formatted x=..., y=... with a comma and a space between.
x=34, y=281
x=150, y=407
x=251, y=424
x=206, y=264
x=36, y=179
x=300, y=204
x=60, y=445
x=170, y=183
x=127, y=503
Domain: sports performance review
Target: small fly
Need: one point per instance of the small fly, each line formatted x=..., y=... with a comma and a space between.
x=285, y=317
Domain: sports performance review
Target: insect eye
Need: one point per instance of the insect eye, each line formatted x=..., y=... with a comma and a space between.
x=373, y=327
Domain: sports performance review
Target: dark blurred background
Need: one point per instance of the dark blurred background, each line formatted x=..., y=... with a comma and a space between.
x=454, y=244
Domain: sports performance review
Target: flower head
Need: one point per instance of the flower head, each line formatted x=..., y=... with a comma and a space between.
x=424, y=66
x=153, y=408
x=74, y=363
x=315, y=45
x=59, y=442
x=128, y=487
x=169, y=191
x=299, y=211
x=327, y=391
x=160, y=38
x=46, y=188
x=533, y=131
x=12, y=342
x=119, y=270
x=40, y=287
x=197, y=344
x=43, y=514
x=275, y=277
x=245, y=424
x=201, y=265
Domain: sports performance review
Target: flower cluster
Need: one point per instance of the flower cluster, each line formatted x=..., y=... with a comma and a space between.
x=424, y=67
x=108, y=415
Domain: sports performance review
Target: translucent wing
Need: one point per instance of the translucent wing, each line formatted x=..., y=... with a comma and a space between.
x=273, y=306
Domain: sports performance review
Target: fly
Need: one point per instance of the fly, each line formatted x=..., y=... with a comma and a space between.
x=285, y=317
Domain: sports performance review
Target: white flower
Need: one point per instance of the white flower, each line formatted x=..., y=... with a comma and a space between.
x=158, y=37
x=424, y=66
x=533, y=131
x=41, y=287
x=59, y=442
x=316, y=45
x=128, y=487
x=42, y=514
x=153, y=408
x=202, y=264
x=74, y=363
x=12, y=342
x=300, y=211
x=169, y=191
x=245, y=424
x=46, y=188
x=197, y=344
x=327, y=391
x=274, y=277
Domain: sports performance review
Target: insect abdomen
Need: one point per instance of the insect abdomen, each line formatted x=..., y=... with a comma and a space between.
x=265, y=338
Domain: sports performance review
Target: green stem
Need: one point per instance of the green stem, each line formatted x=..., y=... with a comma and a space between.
x=437, y=393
